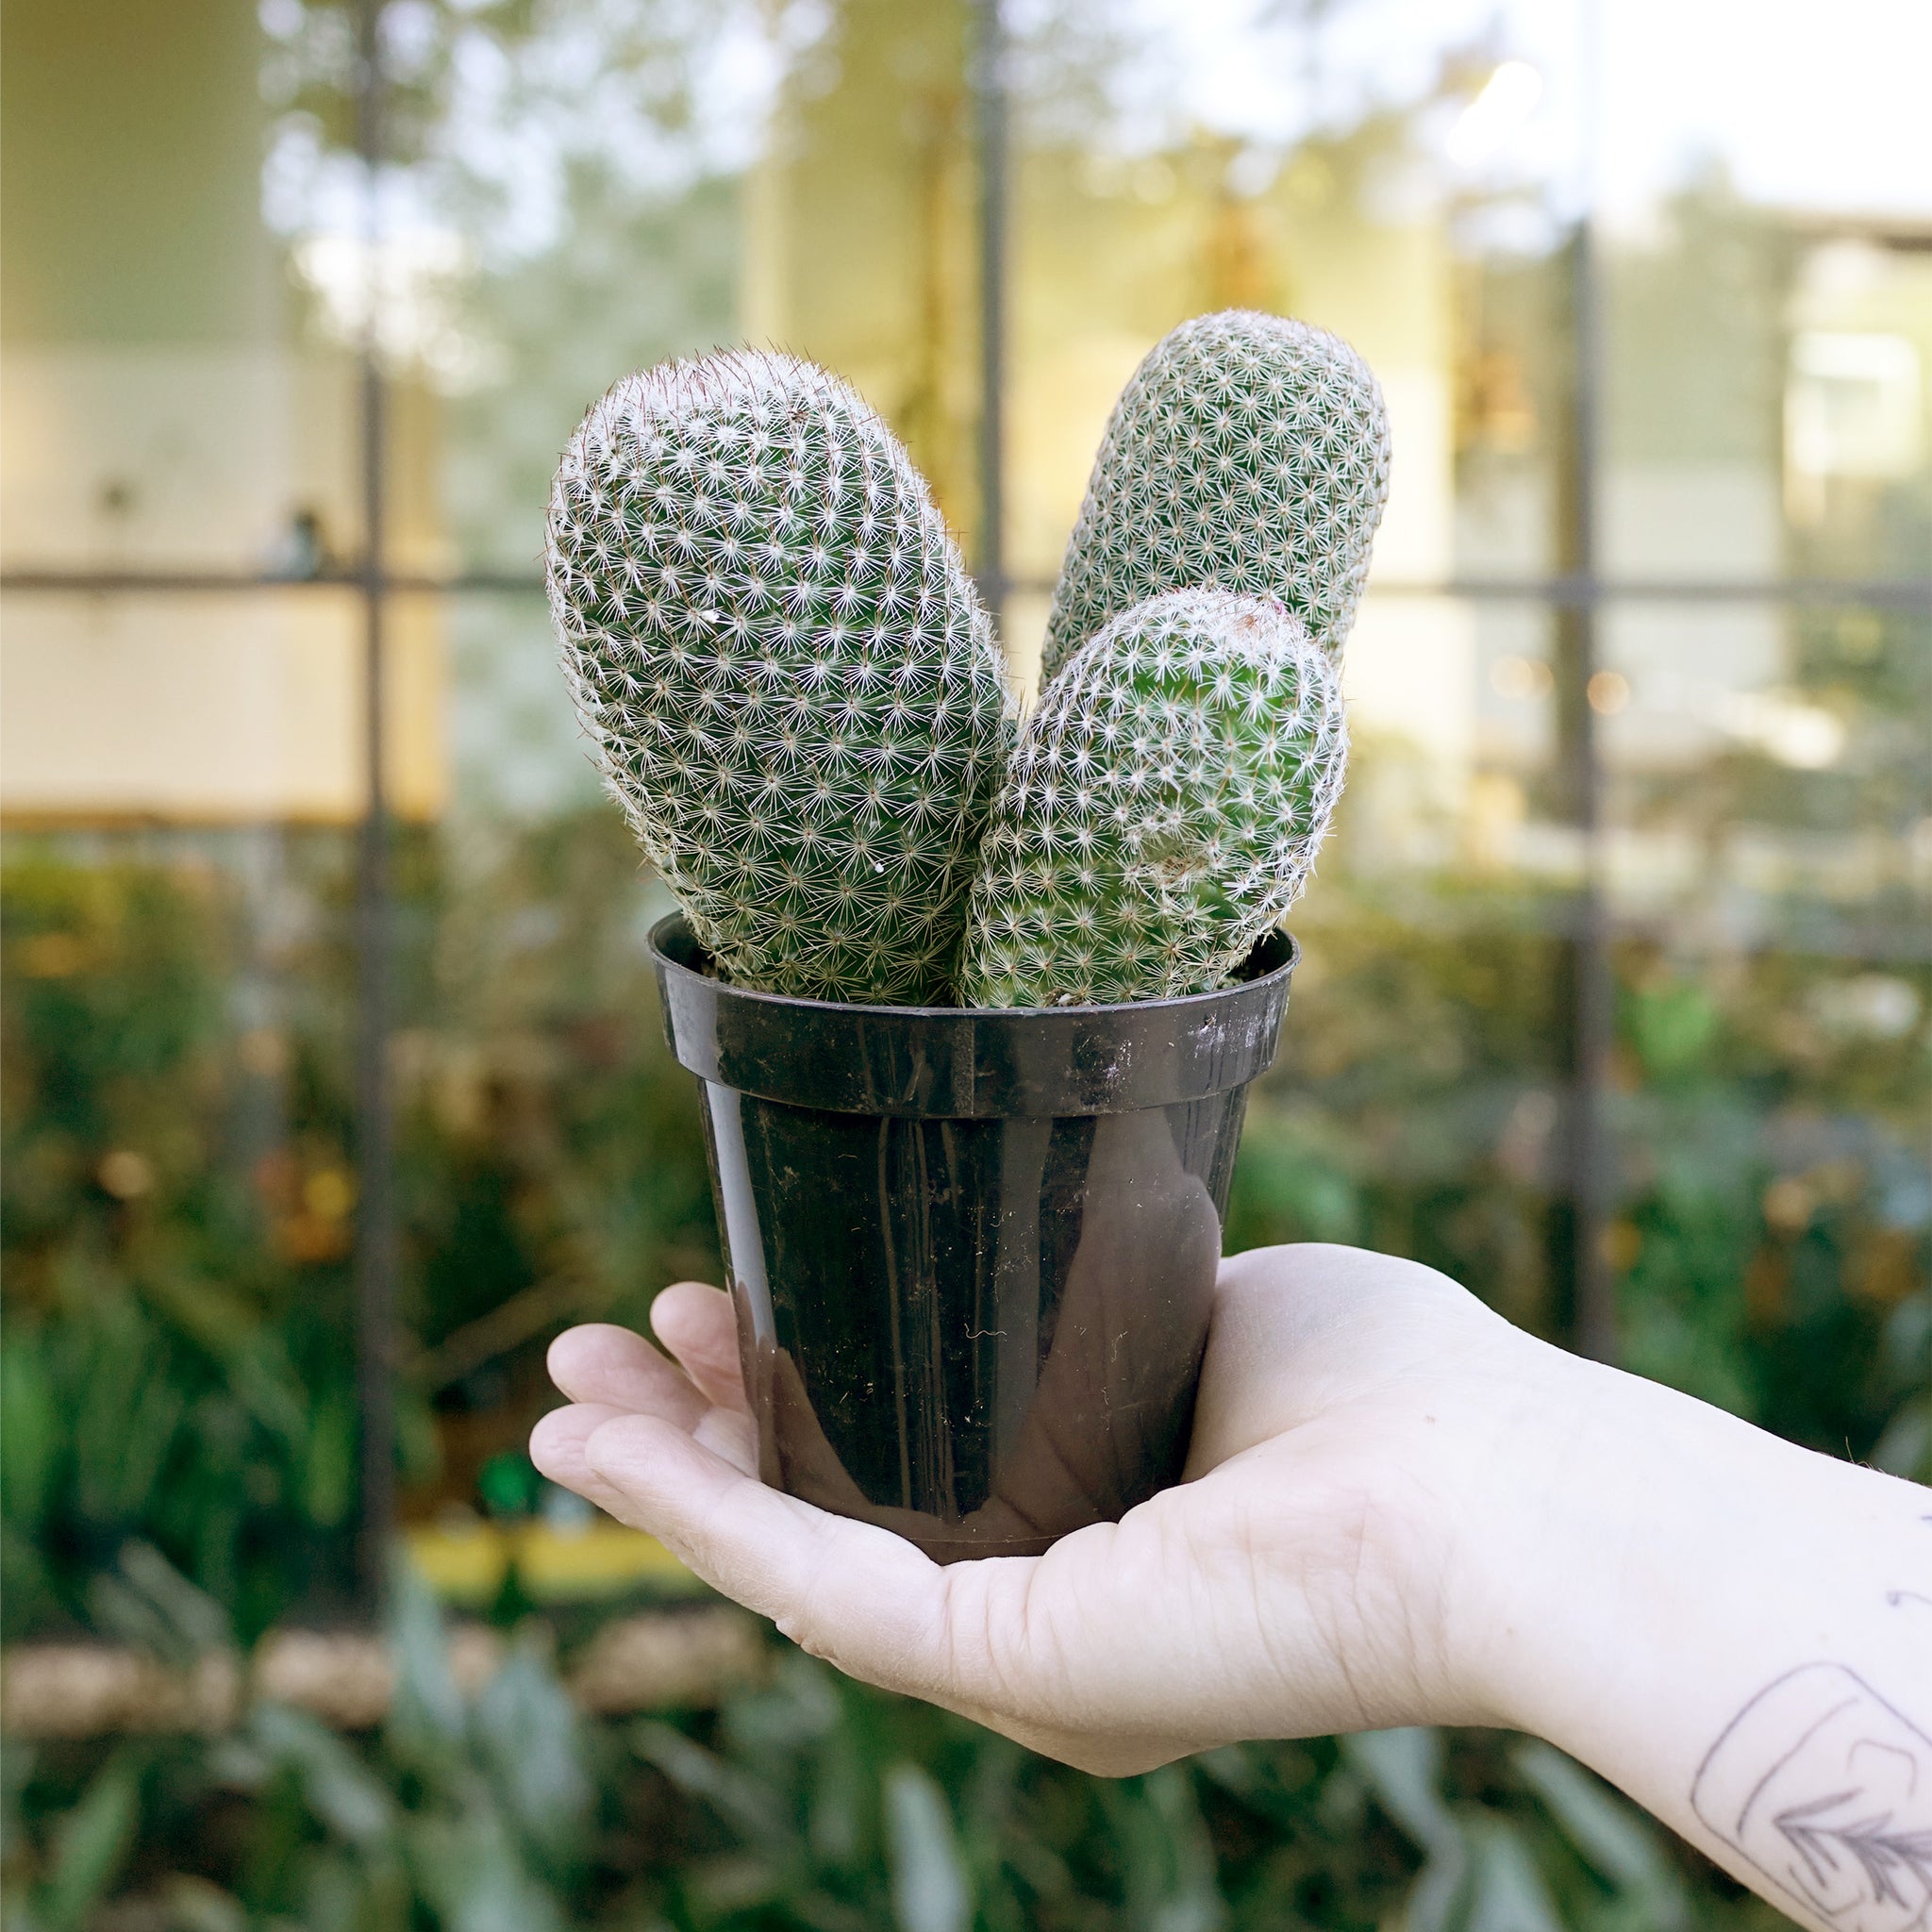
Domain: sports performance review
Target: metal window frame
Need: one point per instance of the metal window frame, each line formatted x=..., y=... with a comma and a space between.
x=378, y=1234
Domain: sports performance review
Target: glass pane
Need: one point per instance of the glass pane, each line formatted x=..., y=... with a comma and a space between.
x=167, y=401
x=1770, y=314
x=211, y=707
x=179, y=1216
x=517, y=753
x=1768, y=770
x=1857, y=408
x=562, y=200
x=1402, y=184
x=552, y=1168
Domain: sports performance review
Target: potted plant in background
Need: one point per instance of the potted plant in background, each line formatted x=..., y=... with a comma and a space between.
x=973, y=1003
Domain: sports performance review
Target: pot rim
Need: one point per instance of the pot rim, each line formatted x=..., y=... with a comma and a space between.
x=969, y=1062
x=662, y=929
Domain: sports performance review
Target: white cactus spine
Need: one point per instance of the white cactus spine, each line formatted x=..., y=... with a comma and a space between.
x=1163, y=808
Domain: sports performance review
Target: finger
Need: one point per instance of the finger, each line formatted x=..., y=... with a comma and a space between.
x=1064, y=1668
x=602, y=1364
x=857, y=1596
x=696, y=1325
x=557, y=1447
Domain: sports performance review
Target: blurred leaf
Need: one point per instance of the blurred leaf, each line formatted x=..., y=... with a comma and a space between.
x=425, y=1722
x=1623, y=1845
x=839, y=1793
x=197, y=1905
x=1404, y=1770
x=799, y=1706
x=220, y=1318
x=334, y=1894
x=472, y=1878
x=346, y=1797
x=1673, y=1024
x=327, y=1478
x=1403, y=1767
x=1906, y=1447
x=1507, y=1893
x=153, y=1607
x=528, y=1737
x=128, y=1416
x=752, y=1806
x=930, y=1889
x=29, y=1428
x=1289, y=1187
x=91, y=1843
x=1170, y=1879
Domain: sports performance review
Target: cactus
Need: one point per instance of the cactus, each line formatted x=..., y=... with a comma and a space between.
x=786, y=677
x=1162, y=809
x=1248, y=453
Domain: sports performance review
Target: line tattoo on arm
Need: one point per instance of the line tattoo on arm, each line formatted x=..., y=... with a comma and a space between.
x=1826, y=1788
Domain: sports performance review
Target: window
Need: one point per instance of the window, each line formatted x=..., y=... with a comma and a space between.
x=301, y=303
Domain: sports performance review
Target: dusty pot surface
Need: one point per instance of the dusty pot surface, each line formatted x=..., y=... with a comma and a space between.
x=971, y=1251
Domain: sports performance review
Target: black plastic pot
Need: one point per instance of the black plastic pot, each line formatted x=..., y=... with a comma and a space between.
x=972, y=1252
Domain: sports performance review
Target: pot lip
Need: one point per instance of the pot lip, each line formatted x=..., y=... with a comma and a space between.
x=662, y=930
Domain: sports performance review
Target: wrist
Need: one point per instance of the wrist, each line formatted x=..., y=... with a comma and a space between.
x=1523, y=1479
x=1625, y=1529
x=1578, y=1514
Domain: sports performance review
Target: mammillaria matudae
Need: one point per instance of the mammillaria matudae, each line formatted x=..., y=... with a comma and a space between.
x=1248, y=453
x=788, y=681
x=791, y=690
x=1162, y=809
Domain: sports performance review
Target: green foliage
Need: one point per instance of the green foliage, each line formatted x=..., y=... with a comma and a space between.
x=1162, y=809
x=176, y=1365
x=166, y=1374
x=1771, y=1252
x=1249, y=453
x=88, y=1846
x=811, y=1801
x=779, y=659
x=1773, y=1232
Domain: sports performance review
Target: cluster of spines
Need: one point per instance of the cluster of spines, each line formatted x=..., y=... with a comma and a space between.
x=1162, y=809
x=788, y=681
x=794, y=695
x=1248, y=453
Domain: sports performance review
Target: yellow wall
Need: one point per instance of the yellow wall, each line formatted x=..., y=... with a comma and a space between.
x=159, y=411
x=862, y=253
x=860, y=244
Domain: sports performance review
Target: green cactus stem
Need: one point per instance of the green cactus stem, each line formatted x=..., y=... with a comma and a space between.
x=1248, y=453
x=786, y=677
x=1162, y=809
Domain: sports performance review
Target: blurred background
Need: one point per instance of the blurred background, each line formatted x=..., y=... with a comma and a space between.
x=333, y=1078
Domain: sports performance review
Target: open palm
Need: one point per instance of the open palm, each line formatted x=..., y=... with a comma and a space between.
x=1302, y=1579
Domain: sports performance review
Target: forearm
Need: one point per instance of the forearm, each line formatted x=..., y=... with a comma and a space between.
x=1737, y=1632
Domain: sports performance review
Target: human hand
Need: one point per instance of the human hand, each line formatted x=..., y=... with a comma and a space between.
x=1397, y=1510
x=1312, y=1574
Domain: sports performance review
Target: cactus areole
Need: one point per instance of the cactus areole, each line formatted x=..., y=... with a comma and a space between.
x=973, y=1007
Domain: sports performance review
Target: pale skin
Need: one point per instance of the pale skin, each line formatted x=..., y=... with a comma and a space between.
x=1398, y=1509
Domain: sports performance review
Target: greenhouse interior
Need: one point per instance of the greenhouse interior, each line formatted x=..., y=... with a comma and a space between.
x=336, y=1084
